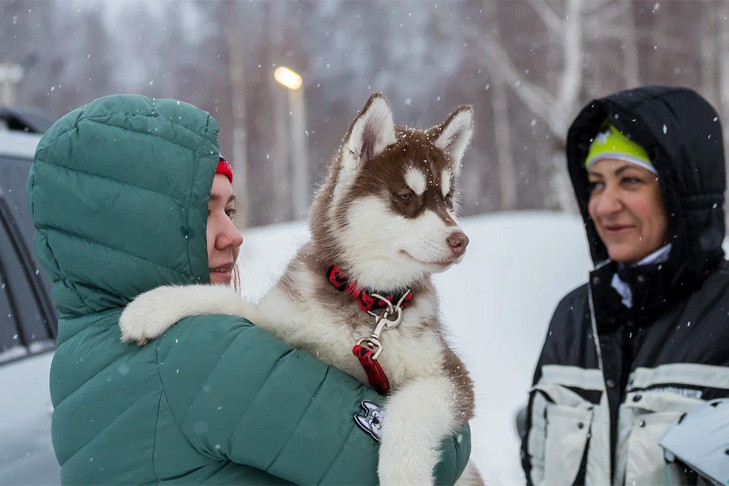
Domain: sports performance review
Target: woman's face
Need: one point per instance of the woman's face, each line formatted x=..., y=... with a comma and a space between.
x=628, y=210
x=223, y=237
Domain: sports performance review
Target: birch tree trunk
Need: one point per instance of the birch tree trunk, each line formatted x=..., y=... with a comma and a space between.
x=556, y=108
x=502, y=129
x=631, y=66
x=708, y=46
x=572, y=78
x=278, y=158
x=722, y=16
x=239, y=162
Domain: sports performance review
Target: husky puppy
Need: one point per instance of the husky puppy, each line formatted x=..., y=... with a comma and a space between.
x=381, y=224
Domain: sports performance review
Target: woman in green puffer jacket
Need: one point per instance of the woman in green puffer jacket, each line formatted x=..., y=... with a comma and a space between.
x=120, y=192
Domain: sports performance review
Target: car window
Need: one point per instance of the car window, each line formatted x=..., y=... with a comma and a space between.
x=10, y=344
x=27, y=319
x=13, y=178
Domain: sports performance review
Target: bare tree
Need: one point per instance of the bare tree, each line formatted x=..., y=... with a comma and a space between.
x=722, y=16
x=708, y=48
x=722, y=19
x=556, y=98
x=502, y=128
x=236, y=70
x=553, y=106
x=629, y=45
x=539, y=61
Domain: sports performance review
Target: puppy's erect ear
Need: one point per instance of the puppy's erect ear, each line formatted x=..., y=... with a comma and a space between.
x=371, y=132
x=453, y=136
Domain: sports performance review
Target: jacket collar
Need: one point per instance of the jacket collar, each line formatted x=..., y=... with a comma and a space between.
x=619, y=280
x=653, y=287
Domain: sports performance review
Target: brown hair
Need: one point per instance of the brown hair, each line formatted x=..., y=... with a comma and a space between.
x=236, y=277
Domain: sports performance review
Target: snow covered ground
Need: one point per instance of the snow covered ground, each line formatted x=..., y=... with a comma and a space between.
x=26, y=451
x=496, y=306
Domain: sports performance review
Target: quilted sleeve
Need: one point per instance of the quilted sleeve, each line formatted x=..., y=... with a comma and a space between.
x=240, y=394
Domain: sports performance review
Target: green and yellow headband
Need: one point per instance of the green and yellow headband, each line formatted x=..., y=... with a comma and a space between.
x=609, y=143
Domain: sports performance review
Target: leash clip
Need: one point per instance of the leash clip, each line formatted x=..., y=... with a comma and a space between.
x=383, y=322
x=373, y=341
x=373, y=344
x=391, y=309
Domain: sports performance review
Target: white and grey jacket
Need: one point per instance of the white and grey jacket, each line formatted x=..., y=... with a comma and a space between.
x=587, y=401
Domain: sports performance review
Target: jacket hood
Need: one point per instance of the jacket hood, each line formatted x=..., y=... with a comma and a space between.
x=682, y=134
x=118, y=192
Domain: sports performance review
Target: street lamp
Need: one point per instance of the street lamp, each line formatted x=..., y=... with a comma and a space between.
x=10, y=76
x=299, y=151
x=287, y=77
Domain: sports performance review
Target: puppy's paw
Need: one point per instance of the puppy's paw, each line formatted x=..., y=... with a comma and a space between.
x=418, y=417
x=400, y=471
x=149, y=315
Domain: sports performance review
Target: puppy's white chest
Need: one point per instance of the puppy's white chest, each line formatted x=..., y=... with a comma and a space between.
x=406, y=351
x=410, y=350
x=411, y=347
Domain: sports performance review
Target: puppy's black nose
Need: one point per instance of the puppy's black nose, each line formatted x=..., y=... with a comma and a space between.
x=458, y=242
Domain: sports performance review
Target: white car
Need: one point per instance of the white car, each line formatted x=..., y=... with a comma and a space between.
x=28, y=319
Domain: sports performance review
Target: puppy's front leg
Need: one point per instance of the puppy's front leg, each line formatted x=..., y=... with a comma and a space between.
x=153, y=312
x=417, y=418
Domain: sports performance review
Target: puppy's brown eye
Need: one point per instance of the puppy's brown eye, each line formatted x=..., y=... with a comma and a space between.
x=405, y=195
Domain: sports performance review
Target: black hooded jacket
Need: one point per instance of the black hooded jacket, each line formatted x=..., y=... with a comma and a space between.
x=635, y=371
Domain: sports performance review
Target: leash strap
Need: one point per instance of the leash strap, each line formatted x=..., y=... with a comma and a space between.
x=367, y=354
x=375, y=374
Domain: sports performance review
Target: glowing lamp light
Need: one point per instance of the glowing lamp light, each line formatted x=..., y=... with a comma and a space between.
x=287, y=77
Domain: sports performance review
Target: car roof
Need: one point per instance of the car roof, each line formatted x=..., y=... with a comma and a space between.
x=24, y=119
x=18, y=144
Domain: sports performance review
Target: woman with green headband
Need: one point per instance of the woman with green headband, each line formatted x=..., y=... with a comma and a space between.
x=647, y=337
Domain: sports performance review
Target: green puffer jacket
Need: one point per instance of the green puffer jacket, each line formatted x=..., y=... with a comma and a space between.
x=119, y=193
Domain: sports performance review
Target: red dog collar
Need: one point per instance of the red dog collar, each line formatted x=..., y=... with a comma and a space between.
x=364, y=297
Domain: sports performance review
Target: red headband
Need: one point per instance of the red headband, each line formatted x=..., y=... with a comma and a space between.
x=224, y=168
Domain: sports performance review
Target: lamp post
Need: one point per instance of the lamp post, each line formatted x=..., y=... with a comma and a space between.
x=299, y=151
x=10, y=76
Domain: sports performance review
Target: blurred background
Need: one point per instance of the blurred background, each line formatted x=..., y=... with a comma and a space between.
x=526, y=66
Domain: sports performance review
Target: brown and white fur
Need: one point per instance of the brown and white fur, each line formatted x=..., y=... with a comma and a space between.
x=386, y=216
